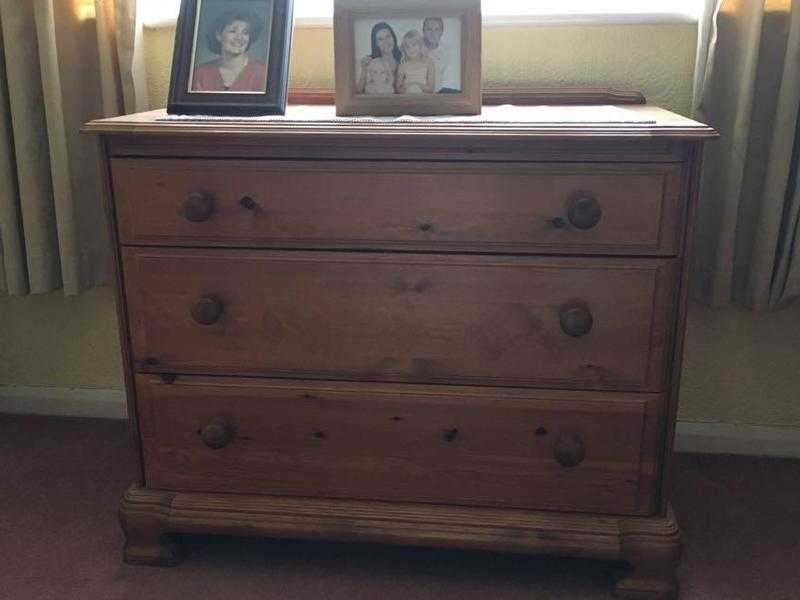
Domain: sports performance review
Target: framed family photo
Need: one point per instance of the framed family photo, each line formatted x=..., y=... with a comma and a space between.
x=231, y=57
x=417, y=57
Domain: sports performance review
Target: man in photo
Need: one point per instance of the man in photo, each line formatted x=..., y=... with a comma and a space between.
x=442, y=56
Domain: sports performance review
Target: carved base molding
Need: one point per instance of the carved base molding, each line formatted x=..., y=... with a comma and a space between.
x=651, y=545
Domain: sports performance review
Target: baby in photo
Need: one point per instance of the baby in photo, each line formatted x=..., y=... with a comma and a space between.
x=380, y=77
x=417, y=72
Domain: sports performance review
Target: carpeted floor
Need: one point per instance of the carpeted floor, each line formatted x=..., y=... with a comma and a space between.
x=61, y=479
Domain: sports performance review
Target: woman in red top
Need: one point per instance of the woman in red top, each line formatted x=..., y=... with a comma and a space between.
x=235, y=70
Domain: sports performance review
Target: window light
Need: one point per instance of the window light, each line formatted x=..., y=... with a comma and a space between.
x=160, y=12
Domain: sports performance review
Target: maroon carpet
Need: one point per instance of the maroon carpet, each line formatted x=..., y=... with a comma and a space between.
x=61, y=479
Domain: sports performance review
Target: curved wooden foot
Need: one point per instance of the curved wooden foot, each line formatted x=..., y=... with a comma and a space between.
x=650, y=545
x=653, y=549
x=644, y=583
x=142, y=515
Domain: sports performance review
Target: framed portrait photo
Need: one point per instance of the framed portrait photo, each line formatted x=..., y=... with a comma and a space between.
x=231, y=57
x=416, y=57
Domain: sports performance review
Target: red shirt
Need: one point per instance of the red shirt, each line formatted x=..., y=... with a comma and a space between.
x=253, y=78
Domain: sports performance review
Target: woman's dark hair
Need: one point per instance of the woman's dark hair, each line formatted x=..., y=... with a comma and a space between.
x=376, y=52
x=228, y=17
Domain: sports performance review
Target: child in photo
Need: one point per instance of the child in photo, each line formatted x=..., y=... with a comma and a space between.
x=417, y=72
x=379, y=77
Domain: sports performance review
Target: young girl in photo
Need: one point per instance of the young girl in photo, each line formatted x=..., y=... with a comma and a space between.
x=417, y=73
x=379, y=77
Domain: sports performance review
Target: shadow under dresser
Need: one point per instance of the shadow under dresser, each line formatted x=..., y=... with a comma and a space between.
x=450, y=334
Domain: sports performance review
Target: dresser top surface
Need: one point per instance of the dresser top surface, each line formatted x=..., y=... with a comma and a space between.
x=571, y=122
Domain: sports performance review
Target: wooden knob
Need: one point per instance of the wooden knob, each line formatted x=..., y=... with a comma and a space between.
x=569, y=450
x=207, y=310
x=576, y=321
x=585, y=212
x=198, y=207
x=217, y=434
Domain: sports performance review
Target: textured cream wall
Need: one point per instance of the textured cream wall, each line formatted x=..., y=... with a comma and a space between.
x=739, y=367
x=657, y=60
x=59, y=341
x=742, y=367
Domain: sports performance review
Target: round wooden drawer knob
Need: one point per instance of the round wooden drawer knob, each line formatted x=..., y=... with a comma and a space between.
x=569, y=450
x=198, y=207
x=207, y=310
x=217, y=434
x=576, y=321
x=585, y=213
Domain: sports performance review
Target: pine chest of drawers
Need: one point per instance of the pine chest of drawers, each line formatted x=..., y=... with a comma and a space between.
x=436, y=334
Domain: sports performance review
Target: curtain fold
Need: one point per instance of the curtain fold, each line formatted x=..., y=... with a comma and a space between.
x=55, y=74
x=123, y=74
x=748, y=235
x=706, y=44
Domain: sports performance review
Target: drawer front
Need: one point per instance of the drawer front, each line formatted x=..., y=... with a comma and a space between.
x=545, y=208
x=576, y=323
x=471, y=446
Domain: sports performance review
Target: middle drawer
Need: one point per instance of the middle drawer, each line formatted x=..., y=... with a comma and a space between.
x=566, y=322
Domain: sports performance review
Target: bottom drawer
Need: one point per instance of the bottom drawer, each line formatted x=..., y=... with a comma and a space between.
x=537, y=449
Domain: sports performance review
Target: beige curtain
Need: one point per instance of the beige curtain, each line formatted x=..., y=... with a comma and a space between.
x=748, y=231
x=706, y=44
x=62, y=62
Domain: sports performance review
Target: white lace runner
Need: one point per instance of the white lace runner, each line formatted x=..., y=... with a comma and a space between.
x=506, y=114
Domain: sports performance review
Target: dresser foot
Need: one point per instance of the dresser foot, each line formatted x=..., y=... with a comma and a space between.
x=652, y=549
x=646, y=585
x=154, y=552
x=143, y=517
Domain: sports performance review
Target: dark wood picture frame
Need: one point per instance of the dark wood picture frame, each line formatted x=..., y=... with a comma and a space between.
x=351, y=103
x=271, y=102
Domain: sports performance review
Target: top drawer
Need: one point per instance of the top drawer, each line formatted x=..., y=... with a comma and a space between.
x=482, y=207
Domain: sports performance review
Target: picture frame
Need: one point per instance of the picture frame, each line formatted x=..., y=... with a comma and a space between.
x=231, y=58
x=381, y=71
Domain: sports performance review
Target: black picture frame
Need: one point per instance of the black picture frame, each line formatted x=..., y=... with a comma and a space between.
x=183, y=101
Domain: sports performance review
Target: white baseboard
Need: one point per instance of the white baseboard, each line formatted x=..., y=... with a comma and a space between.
x=701, y=438
x=63, y=402
x=725, y=438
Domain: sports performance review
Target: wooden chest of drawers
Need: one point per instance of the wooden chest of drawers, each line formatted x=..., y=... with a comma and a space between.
x=458, y=335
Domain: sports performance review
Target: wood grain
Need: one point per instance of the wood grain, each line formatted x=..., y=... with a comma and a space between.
x=652, y=548
x=449, y=207
x=658, y=138
x=120, y=303
x=692, y=194
x=405, y=443
x=373, y=261
x=384, y=148
x=407, y=318
x=411, y=524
